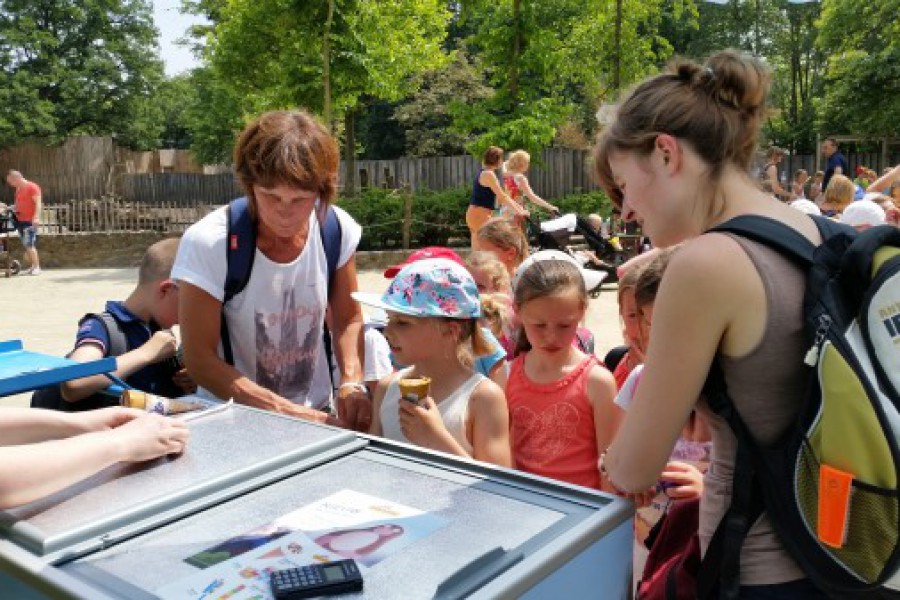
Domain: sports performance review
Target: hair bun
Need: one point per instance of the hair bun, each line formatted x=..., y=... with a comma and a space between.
x=739, y=80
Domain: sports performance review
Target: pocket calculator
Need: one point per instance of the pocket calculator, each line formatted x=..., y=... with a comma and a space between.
x=337, y=577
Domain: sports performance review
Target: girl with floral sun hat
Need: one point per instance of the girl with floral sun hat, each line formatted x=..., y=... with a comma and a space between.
x=433, y=310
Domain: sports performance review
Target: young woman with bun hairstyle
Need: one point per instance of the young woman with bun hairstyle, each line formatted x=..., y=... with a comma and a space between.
x=677, y=159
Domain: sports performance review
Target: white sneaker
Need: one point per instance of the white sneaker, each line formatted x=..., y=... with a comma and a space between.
x=34, y=271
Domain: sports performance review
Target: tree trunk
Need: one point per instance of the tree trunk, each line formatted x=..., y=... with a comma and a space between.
x=349, y=155
x=617, y=43
x=326, y=67
x=516, y=54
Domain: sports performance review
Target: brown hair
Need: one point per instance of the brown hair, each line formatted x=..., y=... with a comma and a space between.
x=545, y=278
x=840, y=190
x=716, y=108
x=488, y=262
x=287, y=147
x=493, y=156
x=650, y=276
x=504, y=233
x=158, y=260
x=774, y=151
x=627, y=281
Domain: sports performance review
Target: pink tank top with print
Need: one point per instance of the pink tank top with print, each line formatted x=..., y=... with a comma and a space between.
x=552, y=425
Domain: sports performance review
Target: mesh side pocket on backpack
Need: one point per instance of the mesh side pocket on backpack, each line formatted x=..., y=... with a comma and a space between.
x=873, y=521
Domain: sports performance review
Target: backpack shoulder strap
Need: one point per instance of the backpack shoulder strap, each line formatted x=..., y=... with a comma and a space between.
x=332, y=234
x=240, y=247
x=772, y=233
x=240, y=250
x=118, y=342
x=332, y=237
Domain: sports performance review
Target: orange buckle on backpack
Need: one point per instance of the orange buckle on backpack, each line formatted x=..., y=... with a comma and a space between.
x=834, y=505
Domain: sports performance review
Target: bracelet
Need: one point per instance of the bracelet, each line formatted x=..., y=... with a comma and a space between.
x=356, y=385
x=603, y=472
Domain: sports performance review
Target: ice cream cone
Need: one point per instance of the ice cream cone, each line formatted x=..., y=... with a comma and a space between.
x=158, y=404
x=415, y=389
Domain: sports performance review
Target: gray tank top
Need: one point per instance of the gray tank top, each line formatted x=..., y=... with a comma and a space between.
x=767, y=387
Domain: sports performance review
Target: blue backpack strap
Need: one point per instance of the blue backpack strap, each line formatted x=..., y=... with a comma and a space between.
x=240, y=250
x=330, y=230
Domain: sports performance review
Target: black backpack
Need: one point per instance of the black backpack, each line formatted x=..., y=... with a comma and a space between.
x=51, y=397
x=240, y=249
x=830, y=485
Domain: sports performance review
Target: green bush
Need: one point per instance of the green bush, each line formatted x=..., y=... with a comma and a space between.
x=438, y=218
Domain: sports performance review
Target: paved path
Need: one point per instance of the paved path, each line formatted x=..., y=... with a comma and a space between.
x=43, y=311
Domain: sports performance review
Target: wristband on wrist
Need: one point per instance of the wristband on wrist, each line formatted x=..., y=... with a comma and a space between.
x=356, y=385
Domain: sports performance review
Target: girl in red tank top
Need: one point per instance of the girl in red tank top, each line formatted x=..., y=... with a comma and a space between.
x=560, y=399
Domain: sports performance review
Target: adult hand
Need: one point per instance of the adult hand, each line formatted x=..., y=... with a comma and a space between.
x=354, y=408
x=160, y=346
x=421, y=423
x=103, y=419
x=151, y=436
x=286, y=407
x=683, y=480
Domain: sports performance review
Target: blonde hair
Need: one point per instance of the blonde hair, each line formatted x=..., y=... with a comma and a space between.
x=546, y=278
x=490, y=264
x=505, y=234
x=496, y=312
x=716, y=108
x=156, y=265
x=840, y=190
x=471, y=341
x=518, y=161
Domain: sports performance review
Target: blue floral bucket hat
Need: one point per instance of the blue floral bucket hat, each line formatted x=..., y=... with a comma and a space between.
x=435, y=287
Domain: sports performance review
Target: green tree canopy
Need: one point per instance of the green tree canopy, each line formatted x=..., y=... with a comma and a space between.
x=549, y=59
x=84, y=67
x=862, y=85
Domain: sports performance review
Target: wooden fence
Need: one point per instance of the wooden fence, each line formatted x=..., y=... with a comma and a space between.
x=171, y=201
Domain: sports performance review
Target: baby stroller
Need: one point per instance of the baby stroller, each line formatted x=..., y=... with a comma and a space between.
x=556, y=234
x=7, y=224
x=610, y=258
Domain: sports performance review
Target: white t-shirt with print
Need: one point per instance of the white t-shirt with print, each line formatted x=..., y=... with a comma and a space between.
x=275, y=323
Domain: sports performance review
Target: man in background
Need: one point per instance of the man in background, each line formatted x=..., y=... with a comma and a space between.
x=28, y=214
x=835, y=164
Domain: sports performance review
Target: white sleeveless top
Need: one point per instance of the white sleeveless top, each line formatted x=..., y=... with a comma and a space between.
x=454, y=409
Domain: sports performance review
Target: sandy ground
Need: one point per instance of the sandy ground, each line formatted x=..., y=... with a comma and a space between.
x=43, y=310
